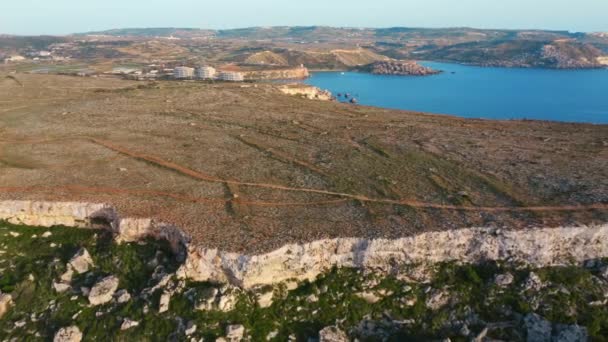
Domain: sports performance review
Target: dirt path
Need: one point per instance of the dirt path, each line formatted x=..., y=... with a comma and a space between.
x=344, y=197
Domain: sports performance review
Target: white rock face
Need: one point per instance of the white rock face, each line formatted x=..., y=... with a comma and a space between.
x=48, y=214
x=103, y=291
x=6, y=300
x=81, y=215
x=332, y=334
x=68, y=334
x=81, y=261
x=536, y=247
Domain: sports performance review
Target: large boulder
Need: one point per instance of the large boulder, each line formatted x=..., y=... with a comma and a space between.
x=68, y=334
x=81, y=261
x=103, y=291
x=332, y=334
x=6, y=300
x=537, y=328
x=570, y=333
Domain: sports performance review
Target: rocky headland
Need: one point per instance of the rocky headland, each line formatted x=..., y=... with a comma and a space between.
x=398, y=68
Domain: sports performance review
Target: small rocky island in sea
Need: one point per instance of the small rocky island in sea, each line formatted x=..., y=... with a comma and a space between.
x=401, y=68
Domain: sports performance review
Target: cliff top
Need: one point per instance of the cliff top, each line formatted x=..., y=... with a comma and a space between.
x=248, y=169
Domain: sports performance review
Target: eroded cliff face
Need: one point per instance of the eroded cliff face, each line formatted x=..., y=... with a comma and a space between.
x=538, y=247
x=309, y=92
x=91, y=215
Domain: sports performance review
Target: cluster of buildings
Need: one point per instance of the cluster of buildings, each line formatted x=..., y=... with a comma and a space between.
x=206, y=73
x=33, y=55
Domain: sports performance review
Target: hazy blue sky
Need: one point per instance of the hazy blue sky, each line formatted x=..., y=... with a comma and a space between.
x=69, y=16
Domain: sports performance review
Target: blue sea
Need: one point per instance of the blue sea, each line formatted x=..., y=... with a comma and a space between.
x=479, y=92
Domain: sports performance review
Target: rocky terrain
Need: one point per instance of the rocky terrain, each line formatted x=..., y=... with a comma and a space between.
x=398, y=68
x=78, y=284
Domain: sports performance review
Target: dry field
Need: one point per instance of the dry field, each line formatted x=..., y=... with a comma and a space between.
x=248, y=169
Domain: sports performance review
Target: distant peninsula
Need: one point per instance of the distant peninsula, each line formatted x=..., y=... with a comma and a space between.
x=398, y=68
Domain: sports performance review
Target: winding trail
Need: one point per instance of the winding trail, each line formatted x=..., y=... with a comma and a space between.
x=344, y=197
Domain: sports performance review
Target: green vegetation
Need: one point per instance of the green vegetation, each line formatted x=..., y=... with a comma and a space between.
x=367, y=306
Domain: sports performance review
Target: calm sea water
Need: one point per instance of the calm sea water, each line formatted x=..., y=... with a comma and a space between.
x=476, y=92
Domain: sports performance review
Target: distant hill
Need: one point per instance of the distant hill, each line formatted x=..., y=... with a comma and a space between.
x=152, y=32
x=322, y=47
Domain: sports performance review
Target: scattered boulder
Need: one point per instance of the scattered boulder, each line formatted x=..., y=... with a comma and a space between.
x=165, y=298
x=103, y=291
x=537, y=328
x=122, y=296
x=369, y=297
x=235, y=332
x=504, y=280
x=46, y=234
x=332, y=334
x=190, y=328
x=14, y=234
x=68, y=334
x=312, y=298
x=61, y=287
x=437, y=299
x=128, y=324
x=271, y=335
x=604, y=273
x=6, y=300
x=81, y=261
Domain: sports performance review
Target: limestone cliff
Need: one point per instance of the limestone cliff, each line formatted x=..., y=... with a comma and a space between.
x=538, y=247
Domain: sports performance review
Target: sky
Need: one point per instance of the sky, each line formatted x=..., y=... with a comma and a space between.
x=35, y=17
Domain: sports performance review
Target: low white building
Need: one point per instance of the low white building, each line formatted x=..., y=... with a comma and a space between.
x=231, y=76
x=14, y=58
x=183, y=72
x=206, y=73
